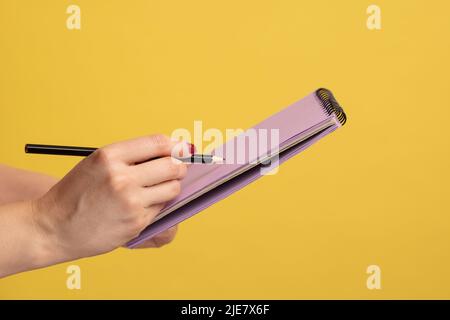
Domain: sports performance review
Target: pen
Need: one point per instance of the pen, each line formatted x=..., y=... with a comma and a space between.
x=86, y=151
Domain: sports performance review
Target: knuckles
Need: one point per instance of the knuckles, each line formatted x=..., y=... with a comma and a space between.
x=121, y=186
x=173, y=169
x=118, y=183
x=103, y=157
x=183, y=171
x=174, y=188
x=131, y=203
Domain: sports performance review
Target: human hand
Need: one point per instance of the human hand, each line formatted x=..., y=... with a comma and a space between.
x=109, y=198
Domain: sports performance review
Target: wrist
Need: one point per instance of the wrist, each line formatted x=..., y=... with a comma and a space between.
x=46, y=249
x=25, y=245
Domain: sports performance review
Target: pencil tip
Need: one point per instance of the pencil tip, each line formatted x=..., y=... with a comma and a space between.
x=217, y=159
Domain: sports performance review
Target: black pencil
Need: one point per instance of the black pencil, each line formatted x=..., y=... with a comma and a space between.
x=86, y=151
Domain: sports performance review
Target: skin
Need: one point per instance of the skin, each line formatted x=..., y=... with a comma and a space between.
x=102, y=203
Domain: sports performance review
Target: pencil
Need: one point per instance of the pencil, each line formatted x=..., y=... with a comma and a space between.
x=86, y=151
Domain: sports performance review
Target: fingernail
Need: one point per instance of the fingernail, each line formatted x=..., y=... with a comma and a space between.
x=192, y=148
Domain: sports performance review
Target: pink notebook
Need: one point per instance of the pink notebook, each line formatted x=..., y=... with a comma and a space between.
x=255, y=153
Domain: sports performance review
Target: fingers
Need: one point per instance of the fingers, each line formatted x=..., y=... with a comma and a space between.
x=160, y=193
x=159, y=170
x=144, y=148
x=160, y=239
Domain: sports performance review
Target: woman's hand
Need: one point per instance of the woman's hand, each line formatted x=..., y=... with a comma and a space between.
x=103, y=202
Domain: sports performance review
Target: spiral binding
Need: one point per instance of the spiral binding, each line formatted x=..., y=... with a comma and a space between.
x=330, y=105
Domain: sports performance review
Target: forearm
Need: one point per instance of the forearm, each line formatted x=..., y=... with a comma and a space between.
x=21, y=185
x=23, y=245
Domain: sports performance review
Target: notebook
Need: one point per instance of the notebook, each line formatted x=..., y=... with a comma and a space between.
x=249, y=156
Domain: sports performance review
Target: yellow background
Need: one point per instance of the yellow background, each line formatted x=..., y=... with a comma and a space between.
x=374, y=192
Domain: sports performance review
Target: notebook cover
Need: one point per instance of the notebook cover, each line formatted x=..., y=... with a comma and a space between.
x=294, y=121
